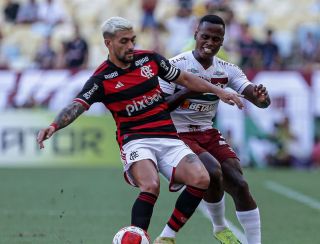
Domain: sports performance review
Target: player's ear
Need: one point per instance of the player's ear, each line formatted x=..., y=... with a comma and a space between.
x=107, y=42
x=195, y=35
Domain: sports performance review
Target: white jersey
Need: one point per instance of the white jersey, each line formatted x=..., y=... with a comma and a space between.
x=197, y=112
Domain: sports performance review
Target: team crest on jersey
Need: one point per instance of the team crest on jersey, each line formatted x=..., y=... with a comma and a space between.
x=146, y=71
x=218, y=73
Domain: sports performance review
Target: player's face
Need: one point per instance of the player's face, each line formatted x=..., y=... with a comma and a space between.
x=121, y=46
x=209, y=38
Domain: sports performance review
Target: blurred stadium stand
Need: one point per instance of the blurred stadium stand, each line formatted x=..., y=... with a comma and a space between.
x=295, y=31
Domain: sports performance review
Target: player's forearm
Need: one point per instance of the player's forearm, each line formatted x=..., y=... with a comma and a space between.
x=68, y=115
x=194, y=83
x=176, y=99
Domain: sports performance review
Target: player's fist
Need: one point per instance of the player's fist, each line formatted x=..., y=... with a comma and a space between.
x=261, y=93
x=45, y=134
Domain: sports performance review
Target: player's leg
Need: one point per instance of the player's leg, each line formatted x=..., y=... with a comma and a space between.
x=214, y=200
x=145, y=176
x=193, y=174
x=246, y=207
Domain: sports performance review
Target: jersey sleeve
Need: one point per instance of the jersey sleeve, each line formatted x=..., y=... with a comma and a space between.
x=167, y=87
x=91, y=93
x=167, y=71
x=238, y=81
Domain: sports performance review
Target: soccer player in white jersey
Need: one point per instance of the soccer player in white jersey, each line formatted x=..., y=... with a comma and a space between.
x=192, y=115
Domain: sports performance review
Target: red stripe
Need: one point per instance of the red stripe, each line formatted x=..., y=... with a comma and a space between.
x=146, y=199
x=146, y=196
x=129, y=80
x=180, y=216
x=153, y=124
x=102, y=66
x=174, y=225
x=196, y=192
x=84, y=103
x=121, y=104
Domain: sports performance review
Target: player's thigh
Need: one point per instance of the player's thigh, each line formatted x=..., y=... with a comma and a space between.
x=232, y=171
x=191, y=171
x=211, y=163
x=145, y=175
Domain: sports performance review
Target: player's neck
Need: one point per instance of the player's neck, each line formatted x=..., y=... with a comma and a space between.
x=205, y=63
x=118, y=63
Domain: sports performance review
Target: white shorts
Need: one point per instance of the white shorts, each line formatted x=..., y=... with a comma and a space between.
x=166, y=153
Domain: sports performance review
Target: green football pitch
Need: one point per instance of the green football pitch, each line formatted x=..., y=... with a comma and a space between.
x=88, y=205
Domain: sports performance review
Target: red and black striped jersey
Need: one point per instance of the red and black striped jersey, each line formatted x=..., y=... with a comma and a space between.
x=133, y=96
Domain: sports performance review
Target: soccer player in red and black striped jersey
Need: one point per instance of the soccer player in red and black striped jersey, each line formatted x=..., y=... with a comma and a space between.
x=127, y=84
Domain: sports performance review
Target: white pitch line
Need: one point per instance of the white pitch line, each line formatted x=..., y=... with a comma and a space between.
x=232, y=227
x=292, y=194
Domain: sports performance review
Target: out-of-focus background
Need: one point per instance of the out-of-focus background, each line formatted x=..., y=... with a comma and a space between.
x=49, y=48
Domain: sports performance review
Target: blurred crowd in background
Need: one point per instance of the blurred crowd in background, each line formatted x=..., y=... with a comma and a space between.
x=260, y=35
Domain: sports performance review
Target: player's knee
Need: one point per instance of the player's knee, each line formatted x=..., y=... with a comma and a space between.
x=200, y=179
x=216, y=176
x=152, y=186
x=240, y=186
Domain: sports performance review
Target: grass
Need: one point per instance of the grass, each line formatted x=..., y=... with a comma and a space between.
x=88, y=205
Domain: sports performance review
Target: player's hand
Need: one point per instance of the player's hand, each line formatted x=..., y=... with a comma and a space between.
x=261, y=93
x=231, y=98
x=45, y=134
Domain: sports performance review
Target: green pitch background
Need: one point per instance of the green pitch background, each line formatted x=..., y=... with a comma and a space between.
x=88, y=205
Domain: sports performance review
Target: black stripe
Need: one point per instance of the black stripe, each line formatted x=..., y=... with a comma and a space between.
x=176, y=220
x=165, y=128
x=133, y=92
x=142, y=136
x=152, y=118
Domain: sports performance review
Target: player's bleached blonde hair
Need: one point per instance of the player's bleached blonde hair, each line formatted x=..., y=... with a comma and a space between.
x=114, y=24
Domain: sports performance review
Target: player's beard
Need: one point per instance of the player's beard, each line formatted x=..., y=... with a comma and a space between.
x=125, y=58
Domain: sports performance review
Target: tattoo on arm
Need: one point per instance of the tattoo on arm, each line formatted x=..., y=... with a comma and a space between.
x=69, y=114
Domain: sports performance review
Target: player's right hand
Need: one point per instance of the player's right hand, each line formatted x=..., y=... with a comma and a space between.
x=232, y=98
x=45, y=134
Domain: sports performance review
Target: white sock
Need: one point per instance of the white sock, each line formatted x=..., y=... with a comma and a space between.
x=216, y=212
x=250, y=221
x=168, y=232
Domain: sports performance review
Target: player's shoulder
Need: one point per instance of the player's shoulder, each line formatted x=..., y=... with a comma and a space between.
x=104, y=71
x=225, y=64
x=181, y=58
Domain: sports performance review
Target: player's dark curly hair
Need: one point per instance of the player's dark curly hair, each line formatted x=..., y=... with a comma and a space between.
x=214, y=19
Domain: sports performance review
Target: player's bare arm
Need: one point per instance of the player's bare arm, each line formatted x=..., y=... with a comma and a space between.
x=177, y=98
x=63, y=119
x=197, y=84
x=258, y=95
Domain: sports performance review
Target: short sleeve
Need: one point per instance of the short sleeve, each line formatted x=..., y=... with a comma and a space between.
x=91, y=93
x=238, y=81
x=167, y=71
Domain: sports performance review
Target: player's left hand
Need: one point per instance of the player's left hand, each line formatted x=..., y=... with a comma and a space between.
x=261, y=93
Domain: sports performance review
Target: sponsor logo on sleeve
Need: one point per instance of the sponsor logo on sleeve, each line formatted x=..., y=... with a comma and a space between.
x=164, y=65
x=89, y=93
